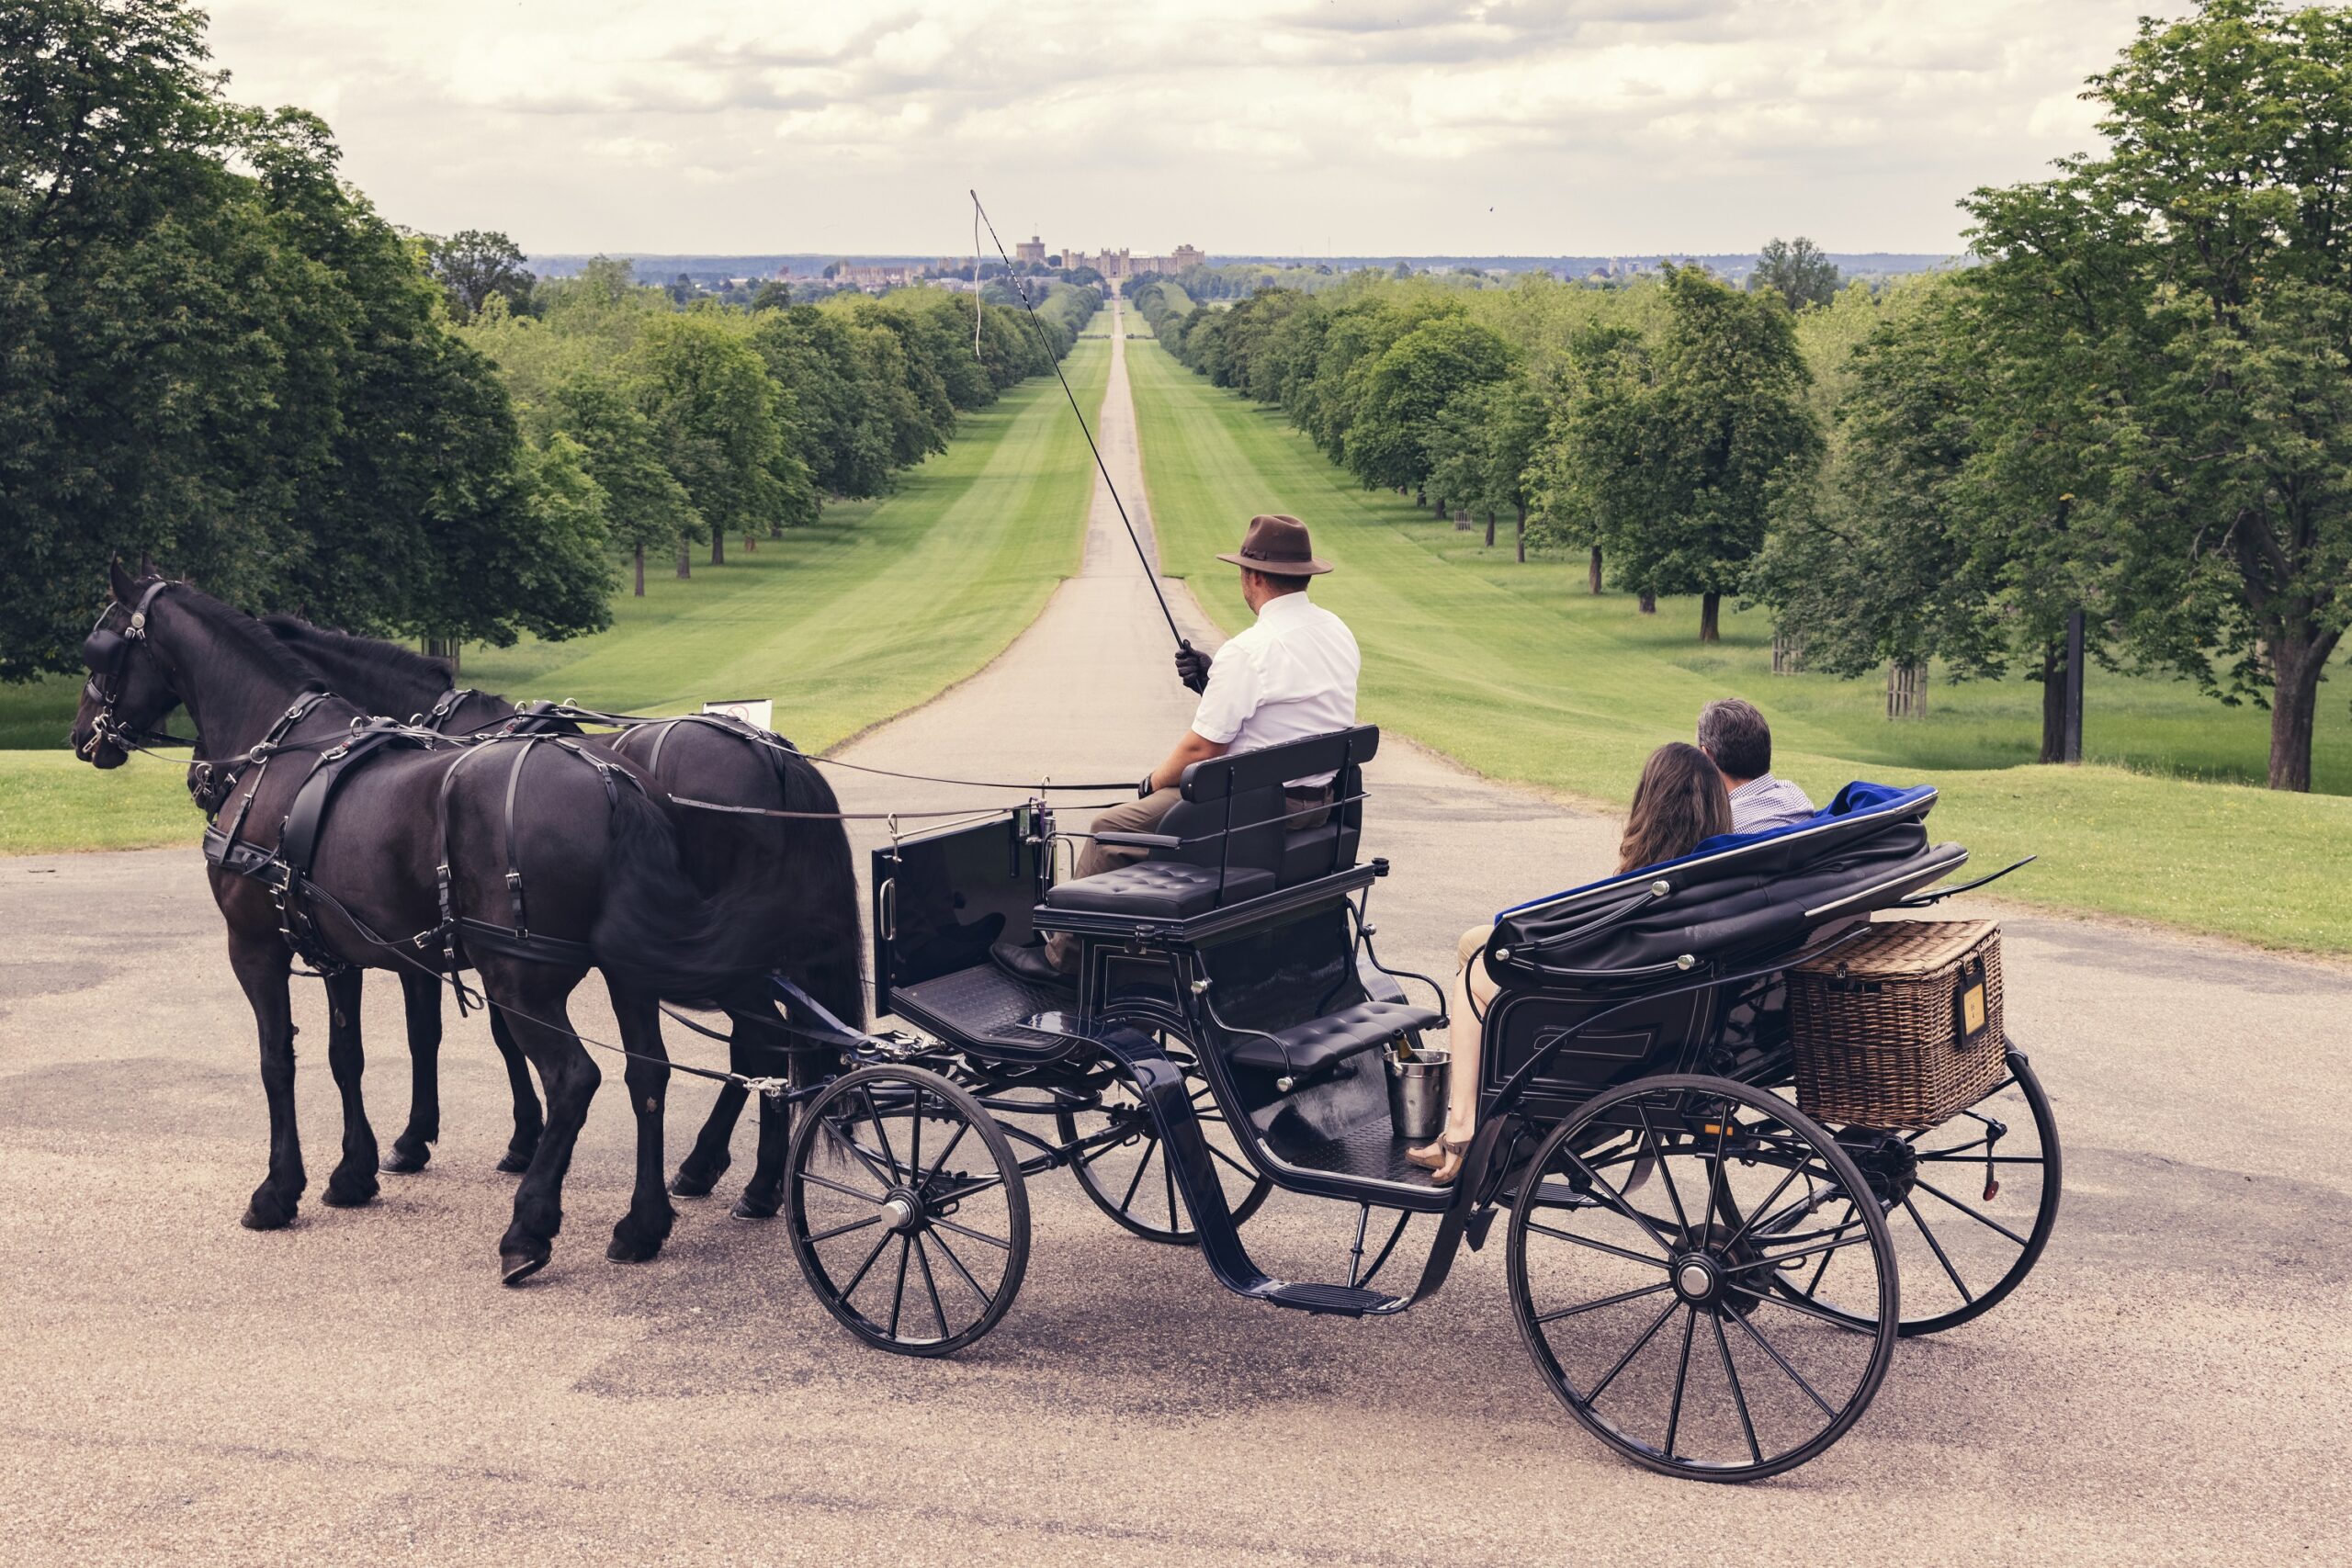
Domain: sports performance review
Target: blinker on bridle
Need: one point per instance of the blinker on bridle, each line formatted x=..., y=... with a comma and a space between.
x=107, y=653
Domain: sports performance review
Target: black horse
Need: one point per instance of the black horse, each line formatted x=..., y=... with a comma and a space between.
x=799, y=871
x=418, y=838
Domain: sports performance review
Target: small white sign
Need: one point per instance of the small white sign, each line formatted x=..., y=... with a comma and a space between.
x=757, y=712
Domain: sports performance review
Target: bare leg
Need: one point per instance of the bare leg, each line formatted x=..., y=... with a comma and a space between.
x=637, y=1237
x=262, y=962
x=1472, y=991
x=352, y=1181
x=421, y=996
x=529, y=1125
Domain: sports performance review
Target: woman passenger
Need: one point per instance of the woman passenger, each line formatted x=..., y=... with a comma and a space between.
x=1679, y=803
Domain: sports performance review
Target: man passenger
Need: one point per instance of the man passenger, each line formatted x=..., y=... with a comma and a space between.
x=1290, y=674
x=1736, y=736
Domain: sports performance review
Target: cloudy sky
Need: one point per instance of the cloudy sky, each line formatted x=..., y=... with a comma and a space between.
x=1297, y=126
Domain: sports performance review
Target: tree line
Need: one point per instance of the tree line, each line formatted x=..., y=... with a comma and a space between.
x=217, y=357
x=2133, y=404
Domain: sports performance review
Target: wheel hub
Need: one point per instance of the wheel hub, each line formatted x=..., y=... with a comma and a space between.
x=1696, y=1280
x=903, y=1210
x=1889, y=1163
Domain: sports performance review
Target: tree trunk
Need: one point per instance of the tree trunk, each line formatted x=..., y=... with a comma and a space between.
x=1491, y=527
x=717, y=545
x=2296, y=665
x=1522, y=535
x=685, y=560
x=1592, y=578
x=1709, y=608
x=1648, y=602
x=640, y=571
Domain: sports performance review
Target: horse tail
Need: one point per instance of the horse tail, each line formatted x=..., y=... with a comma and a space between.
x=656, y=932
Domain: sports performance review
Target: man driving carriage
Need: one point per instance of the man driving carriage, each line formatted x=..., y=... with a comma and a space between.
x=1290, y=674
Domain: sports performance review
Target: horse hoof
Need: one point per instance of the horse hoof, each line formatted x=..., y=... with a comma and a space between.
x=266, y=1213
x=341, y=1195
x=629, y=1247
x=692, y=1182
x=513, y=1268
x=748, y=1208
x=516, y=1161
x=404, y=1162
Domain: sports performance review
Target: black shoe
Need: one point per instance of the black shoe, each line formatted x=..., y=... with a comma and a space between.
x=1030, y=966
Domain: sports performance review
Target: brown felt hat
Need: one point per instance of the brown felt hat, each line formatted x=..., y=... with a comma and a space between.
x=1277, y=545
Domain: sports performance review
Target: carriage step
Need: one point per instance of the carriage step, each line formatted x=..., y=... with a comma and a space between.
x=1343, y=1301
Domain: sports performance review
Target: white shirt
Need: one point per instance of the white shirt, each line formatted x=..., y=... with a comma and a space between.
x=1768, y=802
x=1291, y=673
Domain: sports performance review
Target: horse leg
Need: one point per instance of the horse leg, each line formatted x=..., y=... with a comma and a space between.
x=702, y=1168
x=261, y=965
x=763, y=1194
x=421, y=995
x=637, y=1237
x=352, y=1181
x=536, y=993
x=529, y=1126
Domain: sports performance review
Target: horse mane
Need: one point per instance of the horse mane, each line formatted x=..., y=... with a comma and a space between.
x=233, y=625
x=296, y=634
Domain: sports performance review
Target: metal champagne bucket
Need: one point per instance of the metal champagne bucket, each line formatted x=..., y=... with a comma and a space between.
x=1416, y=1093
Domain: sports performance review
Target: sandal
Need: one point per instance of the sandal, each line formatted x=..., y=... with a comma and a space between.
x=1442, y=1159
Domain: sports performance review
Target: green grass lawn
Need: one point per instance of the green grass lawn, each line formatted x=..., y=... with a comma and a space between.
x=1521, y=674
x=876, y=608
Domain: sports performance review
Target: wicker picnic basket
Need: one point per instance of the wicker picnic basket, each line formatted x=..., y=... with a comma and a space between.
x=1900, y=1028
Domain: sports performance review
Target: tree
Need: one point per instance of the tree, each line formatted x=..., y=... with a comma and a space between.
x=644, y=505
x=1795, y=270
x=1677, y=453
x=474, y=265
x=2175, y=317
x=708, y=392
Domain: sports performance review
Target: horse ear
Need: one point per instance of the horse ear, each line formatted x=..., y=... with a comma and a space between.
x=125, y=585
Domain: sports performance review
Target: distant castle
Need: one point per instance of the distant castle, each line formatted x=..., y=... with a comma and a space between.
x=1119, y=264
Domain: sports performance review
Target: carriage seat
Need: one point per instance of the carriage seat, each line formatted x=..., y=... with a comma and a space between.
x=1227, y=839
x=1305, y=1049
x=1167, y=890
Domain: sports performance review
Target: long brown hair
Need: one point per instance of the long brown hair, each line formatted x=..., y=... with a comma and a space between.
x=1681, y=801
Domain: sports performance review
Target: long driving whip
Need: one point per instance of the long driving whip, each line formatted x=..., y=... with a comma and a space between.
x=1021, y=292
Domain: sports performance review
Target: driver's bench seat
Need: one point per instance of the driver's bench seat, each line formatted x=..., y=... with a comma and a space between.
x=1228, y=841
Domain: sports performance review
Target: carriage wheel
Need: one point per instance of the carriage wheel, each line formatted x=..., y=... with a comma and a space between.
x=1970, y=1203
x=1644, y=1290
x=908, y=1214
x=1131, y=1180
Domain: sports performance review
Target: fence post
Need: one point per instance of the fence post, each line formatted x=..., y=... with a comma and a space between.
x=1906, y=689
x=2070, y=734
x=1788, y=652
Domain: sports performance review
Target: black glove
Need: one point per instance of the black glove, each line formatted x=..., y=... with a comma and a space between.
x=1193, y=668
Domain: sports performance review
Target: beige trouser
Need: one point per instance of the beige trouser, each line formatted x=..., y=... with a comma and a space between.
x=1142, y=817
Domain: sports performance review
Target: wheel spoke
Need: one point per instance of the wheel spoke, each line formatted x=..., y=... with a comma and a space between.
x=1741, y=1233
x=1167, y=1171
x=1633, y=1350
x=844, y=1230
x=1777, y=1258
x=1782, y=1362
x=898, y=1292
x=975, y=1235
x=1738, y=1399
x=987, y=1301
x=1769, y=1298
x=1665, y=1175
x=882, y=1133
x=970, y=1189
x=1937, y=1247
x=813, y=1179
x=940, y=1162
x=1126, y=1202
x=859, y=1278
x=1985, y=1220
x=1681, y=1376
x=931, y=1288
x=1962, y=1156
x=1248, y=1173
x=1604, y=1301
x=1617, y=1202
x=1598, y=1246
x=833, y=1130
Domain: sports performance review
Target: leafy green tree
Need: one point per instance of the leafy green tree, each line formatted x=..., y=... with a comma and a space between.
x=1797, y=271
x=2175, y=317
x=1677, y=457
x=644, y=505
x=707, y=391
x=475, y=265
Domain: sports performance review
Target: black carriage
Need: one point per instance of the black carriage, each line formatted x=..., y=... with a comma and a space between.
x=1711, y=1280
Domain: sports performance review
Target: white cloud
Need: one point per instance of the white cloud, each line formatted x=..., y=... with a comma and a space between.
x=1604, y=126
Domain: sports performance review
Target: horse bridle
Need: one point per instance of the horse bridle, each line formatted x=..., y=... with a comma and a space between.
x=107, y=652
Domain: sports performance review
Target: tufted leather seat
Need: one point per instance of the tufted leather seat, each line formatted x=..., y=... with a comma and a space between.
x=1307, y=1048
x=1159, y=889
